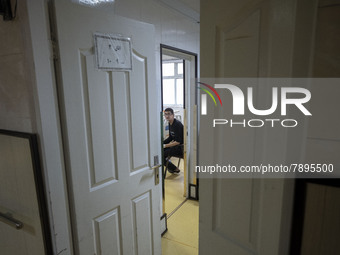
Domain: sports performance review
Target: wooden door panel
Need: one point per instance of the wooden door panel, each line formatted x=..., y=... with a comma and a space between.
x=98, y=112
x=139, y=113
x=109, y=124
x=143, y=234
x=107, y=233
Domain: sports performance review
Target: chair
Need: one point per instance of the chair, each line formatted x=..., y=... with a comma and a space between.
x=179, y=160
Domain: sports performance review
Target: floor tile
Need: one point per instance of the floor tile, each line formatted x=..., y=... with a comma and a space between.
x=182, y=235
x=174, y=189
x=170, y=247
x=183, y=225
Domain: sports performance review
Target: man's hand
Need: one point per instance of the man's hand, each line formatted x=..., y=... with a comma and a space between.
x=171, y=144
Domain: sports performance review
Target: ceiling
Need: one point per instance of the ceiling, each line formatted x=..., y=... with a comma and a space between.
x=193, y=4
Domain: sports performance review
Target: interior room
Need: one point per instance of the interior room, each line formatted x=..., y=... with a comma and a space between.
x=179, y=207
x=83, y=89
x=173, y=97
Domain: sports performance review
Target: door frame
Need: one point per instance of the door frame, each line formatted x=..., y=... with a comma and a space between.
x=40, y=56
x=191, y=189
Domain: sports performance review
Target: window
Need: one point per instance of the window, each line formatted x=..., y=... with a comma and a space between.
x=173, y=82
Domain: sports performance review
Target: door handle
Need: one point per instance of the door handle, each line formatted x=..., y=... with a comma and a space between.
x=6, y=218
x=155, y=168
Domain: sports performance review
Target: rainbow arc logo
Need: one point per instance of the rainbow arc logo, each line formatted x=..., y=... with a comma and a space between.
x=204, y=96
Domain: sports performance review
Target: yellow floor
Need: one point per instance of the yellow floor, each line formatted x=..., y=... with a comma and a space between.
x=174, y=189
x=182, y=235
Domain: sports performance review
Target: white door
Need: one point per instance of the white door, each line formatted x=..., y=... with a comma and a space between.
x=111, y=134
x=245, y=216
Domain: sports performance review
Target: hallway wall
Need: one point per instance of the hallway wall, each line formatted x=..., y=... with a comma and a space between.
x=16, y=92
x=172, y=28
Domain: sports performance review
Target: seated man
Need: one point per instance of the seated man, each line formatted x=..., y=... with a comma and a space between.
x=173, y=145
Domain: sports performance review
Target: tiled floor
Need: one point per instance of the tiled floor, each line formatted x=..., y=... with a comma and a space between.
x=182, y=235
x=174, y=190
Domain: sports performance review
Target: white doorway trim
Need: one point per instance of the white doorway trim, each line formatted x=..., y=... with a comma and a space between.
x=190, y=105
x=48, y=125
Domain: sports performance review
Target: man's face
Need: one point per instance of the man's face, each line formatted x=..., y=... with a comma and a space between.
x=169, y=116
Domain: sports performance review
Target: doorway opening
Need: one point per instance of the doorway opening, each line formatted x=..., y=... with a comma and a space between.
x=173, y=91
x=178, y=76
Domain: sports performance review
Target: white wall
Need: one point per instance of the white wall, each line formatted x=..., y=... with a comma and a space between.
x=16, y=93
x=172, y=28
